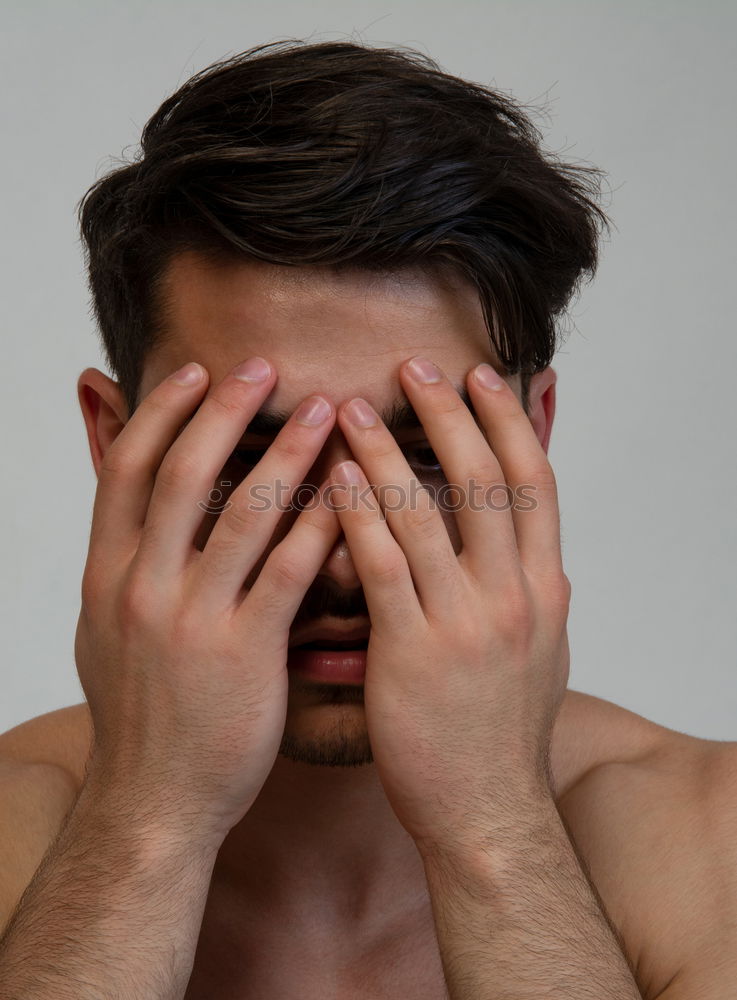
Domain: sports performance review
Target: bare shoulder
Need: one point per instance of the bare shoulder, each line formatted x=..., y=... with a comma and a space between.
x=41, y=771
x=636, y=776
x=61, y=738
x=654, y=817
x=35, y=799
x=608, y=744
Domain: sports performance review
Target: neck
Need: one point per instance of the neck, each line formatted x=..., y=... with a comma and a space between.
x=323, y=842
x=324, y=839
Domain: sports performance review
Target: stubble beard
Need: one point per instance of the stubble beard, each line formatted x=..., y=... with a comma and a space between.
x=344, y=744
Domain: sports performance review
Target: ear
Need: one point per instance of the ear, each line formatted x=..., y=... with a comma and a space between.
x=541, y=410
x=104, y=410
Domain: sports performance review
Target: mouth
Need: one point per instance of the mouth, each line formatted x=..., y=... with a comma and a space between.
x=328, y=652
x=347, y=644
x=331, y=636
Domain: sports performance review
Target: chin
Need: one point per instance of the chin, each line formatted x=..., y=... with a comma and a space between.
x=340, y=741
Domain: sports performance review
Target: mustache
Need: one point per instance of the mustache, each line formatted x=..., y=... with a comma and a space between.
x=327, y=600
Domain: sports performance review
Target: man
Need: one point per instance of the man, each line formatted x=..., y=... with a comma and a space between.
x=327, y=748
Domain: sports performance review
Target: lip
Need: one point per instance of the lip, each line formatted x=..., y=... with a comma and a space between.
x=331, y=633
x=329, y=666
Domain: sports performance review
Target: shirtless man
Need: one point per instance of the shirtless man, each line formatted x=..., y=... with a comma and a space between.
x=431, y=813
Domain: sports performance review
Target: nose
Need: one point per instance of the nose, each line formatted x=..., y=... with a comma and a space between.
x=339, y=567
x=339, y=564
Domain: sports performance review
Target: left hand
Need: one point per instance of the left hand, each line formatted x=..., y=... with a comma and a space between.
x=468, y=658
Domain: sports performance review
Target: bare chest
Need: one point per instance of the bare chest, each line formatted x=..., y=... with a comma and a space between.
x=420, y=981
x=305, y=966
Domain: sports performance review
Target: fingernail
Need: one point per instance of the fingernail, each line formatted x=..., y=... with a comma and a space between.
x=253, y=370
x=488, y=377
x=360, y=413
x=188, y=375
x=424, y=370
x=347, y=473
x=313, y=411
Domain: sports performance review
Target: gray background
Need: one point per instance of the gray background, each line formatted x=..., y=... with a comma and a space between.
x=643, y=442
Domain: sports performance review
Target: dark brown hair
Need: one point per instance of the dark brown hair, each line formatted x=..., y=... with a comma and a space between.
x=342, y=154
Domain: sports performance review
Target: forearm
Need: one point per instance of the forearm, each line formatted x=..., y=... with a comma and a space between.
x=114, y=910
x=517, y=918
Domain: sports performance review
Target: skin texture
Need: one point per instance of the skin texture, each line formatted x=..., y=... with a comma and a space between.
x=321, y=880
x=478, y=634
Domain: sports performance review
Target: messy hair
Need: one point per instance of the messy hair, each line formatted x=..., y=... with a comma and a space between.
x=343, y=155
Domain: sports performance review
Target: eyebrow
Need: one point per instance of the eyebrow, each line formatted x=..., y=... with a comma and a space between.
x=399, y=416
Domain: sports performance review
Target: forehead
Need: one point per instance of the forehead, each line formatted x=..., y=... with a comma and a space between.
x=344, y=333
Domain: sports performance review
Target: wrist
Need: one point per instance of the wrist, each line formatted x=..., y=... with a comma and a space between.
x=150, y=822
x=515, y=819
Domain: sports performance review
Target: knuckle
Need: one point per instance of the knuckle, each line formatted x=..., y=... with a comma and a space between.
x=286, y=571
x=318, y=523
x=381, y=446
x=118, y=462
x=388, y=570
x=450, y=405
x=178, y=468
x=289, y=447
x=366, y=514
x=136, y=600
x=541, y=473
x=228, y=404
x=486, y=472
x=422, y=521
x=239, y=519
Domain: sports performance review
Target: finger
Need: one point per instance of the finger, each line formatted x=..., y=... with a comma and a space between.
x=535, y=511
x=191, y=464
x=190, y=467
x=244, y=528
x=378, y=558
x=128, y=470
x=408, y=507
x=292, y=566
x=485, y=524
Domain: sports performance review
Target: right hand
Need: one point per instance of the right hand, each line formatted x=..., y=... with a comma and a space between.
x=186, y=677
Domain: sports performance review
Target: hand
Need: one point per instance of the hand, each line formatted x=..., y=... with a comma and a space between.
x=184, y=670
x=468, y=658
